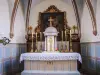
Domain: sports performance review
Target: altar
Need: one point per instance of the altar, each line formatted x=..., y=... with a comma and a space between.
x=51, y=50
x=50, y=63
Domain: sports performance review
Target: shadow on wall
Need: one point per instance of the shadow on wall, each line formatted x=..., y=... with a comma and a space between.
x=9, y=58
x=91, y=58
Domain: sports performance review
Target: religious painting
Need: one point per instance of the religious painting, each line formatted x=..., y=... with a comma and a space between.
x=57, y=20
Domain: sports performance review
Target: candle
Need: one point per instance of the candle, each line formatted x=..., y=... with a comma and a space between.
x=36, y=36
x=65, y=36
x=40, y=36
x=70, y=33
x=70, y=38
x=36, y=41
x=32, y=35
x=32, y=43
x=62, y=35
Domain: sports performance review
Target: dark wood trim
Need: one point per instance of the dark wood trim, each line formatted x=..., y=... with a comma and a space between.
x=92, y=15
x=16, y=3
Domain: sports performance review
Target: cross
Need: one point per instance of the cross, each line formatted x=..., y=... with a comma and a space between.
x=50, y=20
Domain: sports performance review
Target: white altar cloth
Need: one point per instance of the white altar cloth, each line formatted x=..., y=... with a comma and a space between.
x=50, y=56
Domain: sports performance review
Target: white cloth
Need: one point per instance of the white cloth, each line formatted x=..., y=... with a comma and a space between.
x=50, y=56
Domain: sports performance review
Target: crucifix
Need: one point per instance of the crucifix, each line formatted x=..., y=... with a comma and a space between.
x=51, y=20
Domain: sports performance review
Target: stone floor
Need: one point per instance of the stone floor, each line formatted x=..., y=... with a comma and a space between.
x=20, y=74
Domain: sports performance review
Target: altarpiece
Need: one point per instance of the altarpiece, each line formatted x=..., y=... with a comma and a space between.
x=59, y=22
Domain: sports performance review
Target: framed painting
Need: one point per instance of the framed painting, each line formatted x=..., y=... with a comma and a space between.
x=57, y=20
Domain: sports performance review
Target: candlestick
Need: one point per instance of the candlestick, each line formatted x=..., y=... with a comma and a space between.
x=62, y=36
x=40, y=36
x=41, y=40
x=32, y=43
x=62, y=41
x=70, y=33
x=65, y=36
x=36, y=42
x=71, y=41
x=36, y=36
x=66, y=40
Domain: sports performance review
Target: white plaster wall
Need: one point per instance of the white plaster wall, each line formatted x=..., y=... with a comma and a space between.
x=86, y=25
x=60, y=4
x=19, y=26
x=4, y=18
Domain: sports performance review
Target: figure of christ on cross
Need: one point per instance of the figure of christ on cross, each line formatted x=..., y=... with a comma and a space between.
x=51, y=21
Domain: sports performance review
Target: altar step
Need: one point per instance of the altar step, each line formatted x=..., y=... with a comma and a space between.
x=28, y=72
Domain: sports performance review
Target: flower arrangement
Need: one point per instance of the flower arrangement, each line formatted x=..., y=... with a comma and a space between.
x=56, y=50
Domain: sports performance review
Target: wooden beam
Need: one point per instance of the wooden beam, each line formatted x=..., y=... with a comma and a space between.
x=16, y=3
x=77, y=17
x=92, y=15
x=28, y=14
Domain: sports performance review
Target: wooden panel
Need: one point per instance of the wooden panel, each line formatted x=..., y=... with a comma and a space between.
x=73, y=64
x=66, y=65
x=69, y=65
x=27, y=65
x=34, y=65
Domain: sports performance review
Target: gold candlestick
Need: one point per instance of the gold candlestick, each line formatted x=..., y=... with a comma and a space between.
x=65, y=35
x=71, y=41
x=36, y=37
x=32, y=43
x=40, y=36
x=41, y=40
x=66, y=41
x=62, y=36
x=62, y=40
x=36, y=42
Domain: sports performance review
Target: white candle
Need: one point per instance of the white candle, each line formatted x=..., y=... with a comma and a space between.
x=62, y=36
x=70, y=33
x=41, y=36
x=65, y=36
x=36, y=36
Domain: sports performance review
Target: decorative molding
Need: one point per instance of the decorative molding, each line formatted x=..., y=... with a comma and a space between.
x=52, y=9
x=93, y=18
x=16, y=3
x=77, y=17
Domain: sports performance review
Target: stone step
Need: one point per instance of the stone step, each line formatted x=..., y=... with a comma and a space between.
x=28, y=72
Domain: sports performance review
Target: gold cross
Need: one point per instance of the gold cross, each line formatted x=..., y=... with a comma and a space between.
x=51, y=20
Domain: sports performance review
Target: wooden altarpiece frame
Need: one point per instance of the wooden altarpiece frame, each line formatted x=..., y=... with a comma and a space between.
x=59, y=17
